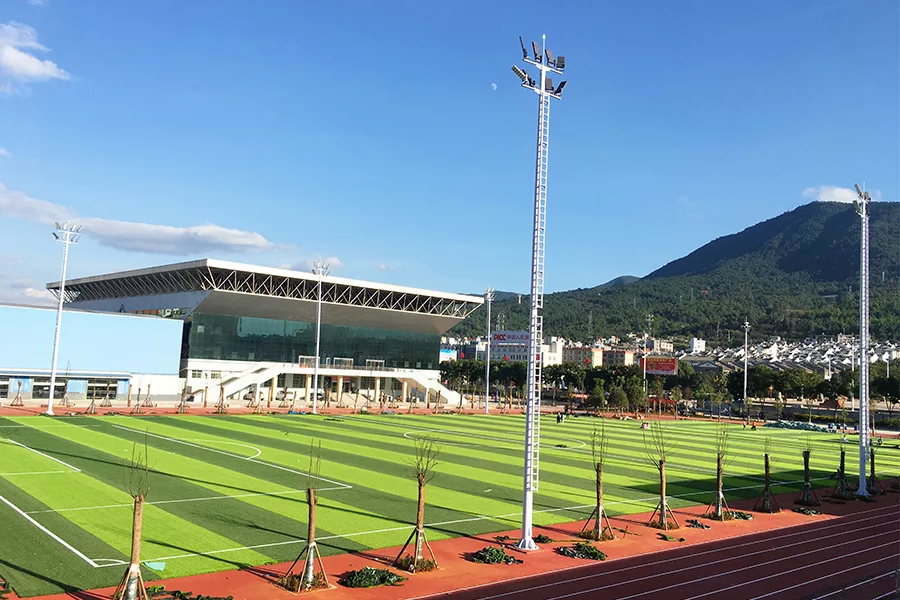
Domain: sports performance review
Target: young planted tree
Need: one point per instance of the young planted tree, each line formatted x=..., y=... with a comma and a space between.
x=718, y=508
x=767, y=502
x=601, y=530
x=658, y=447
x=842, y=489
x=427, y=451
x=309, y=578
x=137, y=484
x=872, y=484
x=807, y=495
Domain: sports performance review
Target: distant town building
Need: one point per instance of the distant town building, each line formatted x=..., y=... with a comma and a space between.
x=698, y=345
x=660, y=346
x=618, y=357
x=584, y=355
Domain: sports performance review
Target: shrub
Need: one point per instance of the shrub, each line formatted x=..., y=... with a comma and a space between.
x=542, y=539
x=422, y=566
x=368, y=577
x=583, y=550
x=490, y=555
x=605, y=535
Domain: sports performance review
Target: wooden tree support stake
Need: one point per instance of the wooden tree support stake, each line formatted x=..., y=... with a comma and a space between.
x=220, y=405
x=592, y=524
x=668, y=512
x=873, y=486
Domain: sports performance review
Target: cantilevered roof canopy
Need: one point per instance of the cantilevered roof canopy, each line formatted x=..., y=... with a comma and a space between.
x=227, y=288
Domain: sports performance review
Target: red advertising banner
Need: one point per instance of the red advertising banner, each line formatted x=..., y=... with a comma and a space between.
x=660, y=365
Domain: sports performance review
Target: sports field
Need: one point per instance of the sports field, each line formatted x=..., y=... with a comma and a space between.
x=228, y=491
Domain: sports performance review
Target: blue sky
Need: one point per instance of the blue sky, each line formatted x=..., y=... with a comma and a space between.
x=369, y=132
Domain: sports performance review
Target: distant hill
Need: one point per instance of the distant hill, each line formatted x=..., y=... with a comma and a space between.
x=795, y=275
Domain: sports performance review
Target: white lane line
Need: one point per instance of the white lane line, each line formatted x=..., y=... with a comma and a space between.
x=178, y=501
x=65, y=464
x=830, y=575
x=803, y=530
x=74, y=550
x=253, y=460
x=795, y=569
x=705, y=565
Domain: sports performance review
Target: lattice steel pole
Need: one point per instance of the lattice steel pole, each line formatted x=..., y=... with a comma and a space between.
x=746, y=328
x=862, y=209
x=544, y=61
x=488, y=297
x=320, y=269
x=67, y=233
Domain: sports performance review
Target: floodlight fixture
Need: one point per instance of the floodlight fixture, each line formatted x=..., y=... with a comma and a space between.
x=548, y=85
x=524, y=51
x=549, y=56
x=859, y=192
x=537, y=53
x=531, y=82
x=560, y=87
x=560, y=63
x=520, y=73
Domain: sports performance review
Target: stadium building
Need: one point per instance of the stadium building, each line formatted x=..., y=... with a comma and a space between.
x=250, y=331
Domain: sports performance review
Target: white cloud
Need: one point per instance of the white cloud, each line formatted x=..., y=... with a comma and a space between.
x=307, y=264
x=5, y=152
x=18, y=43
x=37, y=2
x=18, y=290
x=135, y=237
x=830, y=193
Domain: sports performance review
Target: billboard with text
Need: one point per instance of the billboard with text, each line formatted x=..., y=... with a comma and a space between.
x=660, y=365
x=509, y=337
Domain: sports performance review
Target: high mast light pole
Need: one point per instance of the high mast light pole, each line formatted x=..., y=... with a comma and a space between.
x=320, y=269
x=67, y=233
x=746, y=328
x=544, y=61
x=862, y=209
x=488, y=298
x=646, y=343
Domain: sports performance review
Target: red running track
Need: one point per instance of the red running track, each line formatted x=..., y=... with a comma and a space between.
x=792, y=563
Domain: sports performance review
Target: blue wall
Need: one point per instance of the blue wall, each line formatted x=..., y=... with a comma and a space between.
x=89, y=341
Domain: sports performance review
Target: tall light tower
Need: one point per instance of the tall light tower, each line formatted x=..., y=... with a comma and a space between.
x=320, y=269
x=67, y=233
x=488, y=297
x=746, y=328
x=862, y=209
x=646, y=342
x=543, y=87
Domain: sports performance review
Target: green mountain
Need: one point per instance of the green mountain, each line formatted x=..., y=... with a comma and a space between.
x=795, y=275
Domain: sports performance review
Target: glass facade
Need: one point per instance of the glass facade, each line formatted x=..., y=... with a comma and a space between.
x=224, y=337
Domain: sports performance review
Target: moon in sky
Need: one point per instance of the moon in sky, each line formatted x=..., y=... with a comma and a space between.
x=494, y=86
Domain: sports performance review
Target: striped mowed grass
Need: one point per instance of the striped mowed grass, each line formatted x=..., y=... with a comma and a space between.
x=228, y=491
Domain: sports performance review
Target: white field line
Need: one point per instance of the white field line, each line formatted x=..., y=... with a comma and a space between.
x=802, y=530
x=832, y=574
x=65, y=464
x=258, y=451
x=620, y=457
x=238, y=456
x=37, y=473
x=441, y=523
x=178, y=501
x=74, y=550
x=39, y=427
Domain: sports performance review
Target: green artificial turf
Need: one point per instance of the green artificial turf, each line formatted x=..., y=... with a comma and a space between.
x=228, y=491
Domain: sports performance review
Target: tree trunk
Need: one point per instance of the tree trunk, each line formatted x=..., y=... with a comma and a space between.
x=136, y=529
x=420, y=520
x=309, y=568
x=132, y=585
x=662, y=495
x=598, y=526
x=720, y=498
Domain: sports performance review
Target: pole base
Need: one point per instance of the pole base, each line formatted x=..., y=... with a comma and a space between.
x=526, y=544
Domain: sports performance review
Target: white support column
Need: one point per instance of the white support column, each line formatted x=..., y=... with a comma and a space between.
x=862, y=208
